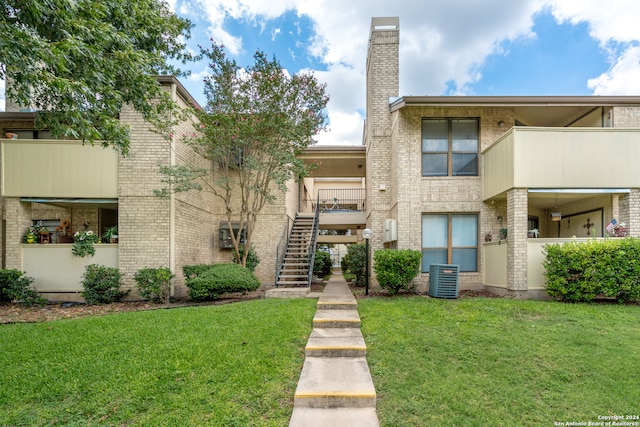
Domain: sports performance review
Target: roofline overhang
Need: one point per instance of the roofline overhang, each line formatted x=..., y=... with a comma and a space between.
x=335, y=149
x=163, y=80
x=512, y=101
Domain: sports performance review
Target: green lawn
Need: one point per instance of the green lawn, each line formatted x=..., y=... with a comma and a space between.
x=230, y=365
x=469, y=362
x=500, y=362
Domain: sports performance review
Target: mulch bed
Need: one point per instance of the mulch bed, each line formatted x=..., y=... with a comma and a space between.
x=17, y=313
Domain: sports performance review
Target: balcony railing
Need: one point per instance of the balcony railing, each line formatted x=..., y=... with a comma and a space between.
x=339, y=200
x=532, y=157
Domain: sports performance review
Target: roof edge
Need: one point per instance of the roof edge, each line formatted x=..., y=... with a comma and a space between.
x=513, y=101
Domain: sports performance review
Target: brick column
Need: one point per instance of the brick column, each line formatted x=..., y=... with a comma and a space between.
x=18, y=216
x=633, y=213
x=517, y=208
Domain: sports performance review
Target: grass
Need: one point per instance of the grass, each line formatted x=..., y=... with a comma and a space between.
x=468, y=362
x=479, y=362
x=231, y=365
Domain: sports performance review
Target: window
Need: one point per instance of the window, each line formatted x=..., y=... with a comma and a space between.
x=450, y=239
x=449, y=147
x=224, y=234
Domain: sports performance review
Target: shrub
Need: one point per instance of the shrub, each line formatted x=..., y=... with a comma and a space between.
x=355, y=261
x=220, y=279
x=579, y=272
x=191, y=271
x=396, y=268
x=322, y=264
x=252, y=258
x=102, y=284
x=15, y=286
x=154, y=283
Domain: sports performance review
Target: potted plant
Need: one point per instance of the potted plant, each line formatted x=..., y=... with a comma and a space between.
x=110, y=234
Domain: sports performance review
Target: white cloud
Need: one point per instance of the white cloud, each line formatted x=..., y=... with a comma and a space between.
x=615, y=26
x=623, y=78
x=443, y=45
x=608, y=21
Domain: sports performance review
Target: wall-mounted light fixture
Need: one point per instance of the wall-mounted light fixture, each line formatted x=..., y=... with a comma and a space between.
x=499, y=219
x=501, y=123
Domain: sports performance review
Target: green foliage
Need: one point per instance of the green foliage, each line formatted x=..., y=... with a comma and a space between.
x=257, y=120
x=16, y=286
x=396, y=268
x=579, y=272
x=192, y=271
x=220, y=279
x=83, y=243
x=322, y=264
x=79, y=62
x=109, y=233
x=355, y=261
x=252, y=260
x=102, y=285
x=154, y=283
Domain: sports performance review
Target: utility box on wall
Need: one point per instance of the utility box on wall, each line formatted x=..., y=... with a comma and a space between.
x=390, y=231
x=224, y=234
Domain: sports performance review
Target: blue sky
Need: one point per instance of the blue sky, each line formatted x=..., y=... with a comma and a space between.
x=457, y=47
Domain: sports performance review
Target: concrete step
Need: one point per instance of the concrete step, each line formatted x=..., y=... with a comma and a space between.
x=336, y=342
x=335, y=382
x=336, y=305
x=300, y=292
x=336, y=319
x=352, y=417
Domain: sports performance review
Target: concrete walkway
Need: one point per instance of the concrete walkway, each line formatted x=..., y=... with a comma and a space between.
x=335, y=386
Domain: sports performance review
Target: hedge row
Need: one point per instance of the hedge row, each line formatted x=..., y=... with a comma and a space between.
x=206, y=282
x=580, y=272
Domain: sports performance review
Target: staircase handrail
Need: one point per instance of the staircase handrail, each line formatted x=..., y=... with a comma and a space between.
x=281, y=249
x=311, y=250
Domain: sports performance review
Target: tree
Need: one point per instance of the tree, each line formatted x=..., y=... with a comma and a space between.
x=256, y=122
x=78, y=62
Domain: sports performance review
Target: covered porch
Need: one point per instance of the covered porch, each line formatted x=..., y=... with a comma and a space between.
x=57, y=187
x=552, y=185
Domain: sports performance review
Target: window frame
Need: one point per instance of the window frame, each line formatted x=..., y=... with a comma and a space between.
x=450, y=152
x=450, y=248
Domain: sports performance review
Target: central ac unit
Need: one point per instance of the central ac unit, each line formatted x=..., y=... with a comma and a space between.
x=443, y=280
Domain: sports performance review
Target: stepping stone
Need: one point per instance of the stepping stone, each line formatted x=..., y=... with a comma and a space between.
x=352, y=417
x=336, y=342
x=336, y=319
x=335, y=382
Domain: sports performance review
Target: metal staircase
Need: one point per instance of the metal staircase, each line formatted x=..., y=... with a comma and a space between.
x=296, y=267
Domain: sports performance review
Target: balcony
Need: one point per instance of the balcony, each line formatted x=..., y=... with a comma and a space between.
x=495, y=263
x=58, y=169
x=553, y=158
x=342, y=208
x=56, y=270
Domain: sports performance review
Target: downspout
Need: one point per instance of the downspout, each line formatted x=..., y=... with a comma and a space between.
x=172, y=197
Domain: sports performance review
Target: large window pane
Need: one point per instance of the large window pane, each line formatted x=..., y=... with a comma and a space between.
x=467, y=259
x=464, y=230
x=460, y=247
x=433, y=257
x=435, y=231
x=435, y=135
x=465, y=164
x=434, y=165
x=464, y=134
